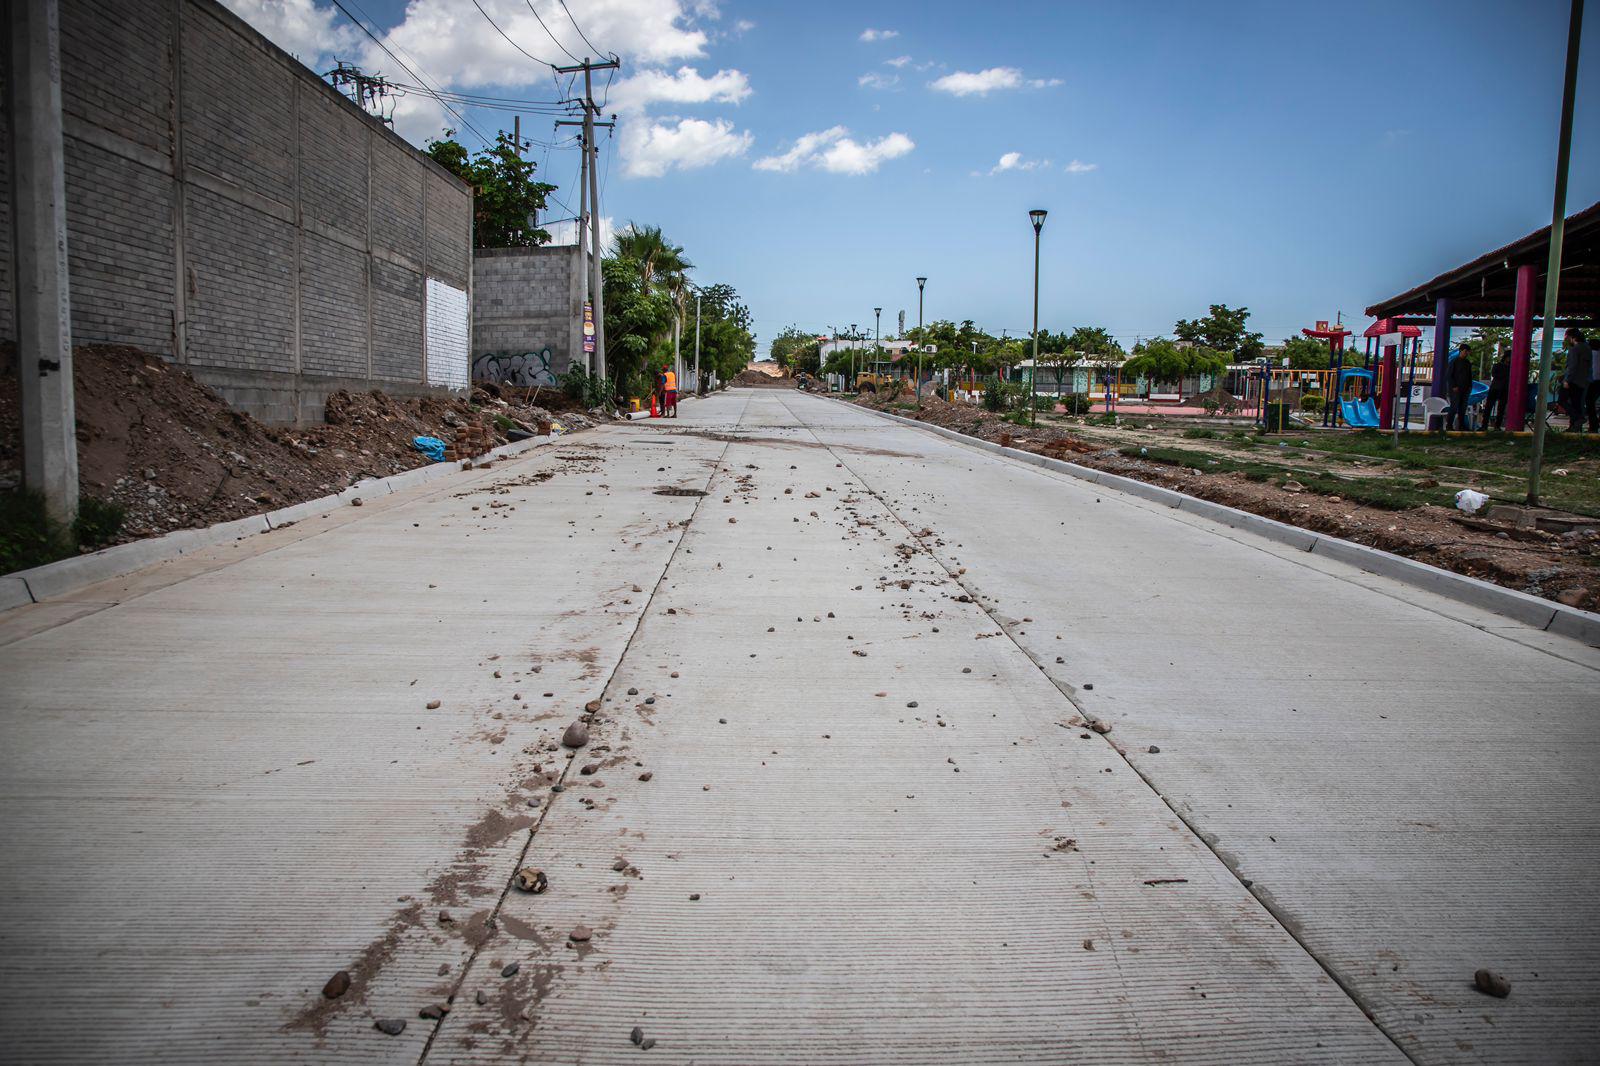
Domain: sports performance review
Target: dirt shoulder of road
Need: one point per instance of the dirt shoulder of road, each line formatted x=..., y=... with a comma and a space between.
x=172, y=454
x=1561, y=567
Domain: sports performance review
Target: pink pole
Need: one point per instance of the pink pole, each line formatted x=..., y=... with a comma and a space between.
x=1390, y=371
x=1521, y=342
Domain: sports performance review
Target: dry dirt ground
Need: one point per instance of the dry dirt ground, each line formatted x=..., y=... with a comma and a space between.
x=173, y=454
x=1563, y=568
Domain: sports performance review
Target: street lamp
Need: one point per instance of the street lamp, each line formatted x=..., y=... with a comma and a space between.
x=921, y=340
x=1037, y=217
x=877, y=334
x=855, y=385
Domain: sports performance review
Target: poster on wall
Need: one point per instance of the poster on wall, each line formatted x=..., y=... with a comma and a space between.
x=449, y=326
x=588, y=329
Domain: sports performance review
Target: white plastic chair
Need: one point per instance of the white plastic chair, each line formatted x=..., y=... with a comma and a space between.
x=1434, y=405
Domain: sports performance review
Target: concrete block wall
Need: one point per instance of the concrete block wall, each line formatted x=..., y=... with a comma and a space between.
x=230, y=211
x=527, y=314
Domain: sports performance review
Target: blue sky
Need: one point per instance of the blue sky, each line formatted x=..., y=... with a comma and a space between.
x=1189, y=153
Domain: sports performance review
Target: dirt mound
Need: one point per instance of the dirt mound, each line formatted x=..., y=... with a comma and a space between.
x=172, y=454
x=760, y=379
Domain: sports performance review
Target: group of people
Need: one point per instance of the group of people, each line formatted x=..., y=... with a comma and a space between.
x=1578, y=394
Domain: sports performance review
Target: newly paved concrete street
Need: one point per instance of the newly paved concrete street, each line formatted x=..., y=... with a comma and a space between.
x=845, y=804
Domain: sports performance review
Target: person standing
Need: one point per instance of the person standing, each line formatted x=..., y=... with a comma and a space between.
x=1494, y=407
x=1577, y=382
x=1459, y=381
x=669, y=392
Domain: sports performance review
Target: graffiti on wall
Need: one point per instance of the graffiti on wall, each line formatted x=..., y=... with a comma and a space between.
x=523, y=369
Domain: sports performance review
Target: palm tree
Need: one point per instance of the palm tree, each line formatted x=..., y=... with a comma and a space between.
x=659, y=259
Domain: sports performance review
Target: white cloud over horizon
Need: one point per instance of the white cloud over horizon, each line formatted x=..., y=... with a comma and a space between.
x=878, y=35
x=834, y=150
x=1015, y=161
x=1077, y=166
x=874, y=80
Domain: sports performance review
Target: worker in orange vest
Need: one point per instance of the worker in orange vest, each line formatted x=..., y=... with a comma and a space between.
x=669, y=393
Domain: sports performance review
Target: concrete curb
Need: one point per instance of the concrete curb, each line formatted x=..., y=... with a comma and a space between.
x=68, y=575
x=1583, y=626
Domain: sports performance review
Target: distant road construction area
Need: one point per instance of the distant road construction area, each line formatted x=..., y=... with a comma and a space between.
x=786, y=732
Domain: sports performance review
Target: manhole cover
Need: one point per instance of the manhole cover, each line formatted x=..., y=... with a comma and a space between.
x=679, y=492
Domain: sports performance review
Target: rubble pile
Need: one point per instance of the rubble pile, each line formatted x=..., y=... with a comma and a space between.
x=172, y=454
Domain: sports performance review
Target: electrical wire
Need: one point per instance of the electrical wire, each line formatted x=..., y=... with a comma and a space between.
x=379, y=42
x=550, y=35
x=503, y=33
x=579, y=28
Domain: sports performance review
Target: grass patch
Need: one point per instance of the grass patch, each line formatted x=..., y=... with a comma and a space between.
x=30, y=537
x=1390, y=493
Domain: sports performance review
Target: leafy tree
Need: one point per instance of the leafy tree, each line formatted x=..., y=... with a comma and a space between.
x=505, y=197
x=1307, y=353
x=636, y=319
x=726, y=342
x=795, y=349
x=656, y=259
x=1222, y=330
x=1162, y=360
x=1485, y=341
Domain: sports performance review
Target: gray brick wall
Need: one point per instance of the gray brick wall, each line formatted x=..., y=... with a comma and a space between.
x=526, y=302
x=240, y=293
x=119, y=245
x=219, y=212
x=333, y=282
x=8, y=307
x=396, y=322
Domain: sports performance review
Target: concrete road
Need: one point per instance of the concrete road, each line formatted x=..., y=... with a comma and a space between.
x=841, y=803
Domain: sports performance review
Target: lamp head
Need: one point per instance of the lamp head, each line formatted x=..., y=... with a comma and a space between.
x=1037, y=215
x=920, y=283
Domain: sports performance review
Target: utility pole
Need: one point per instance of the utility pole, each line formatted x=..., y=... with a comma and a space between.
x=922, y=341
x=1558, y=222
x=591, y=156
x=697, y=343
x=44, y=320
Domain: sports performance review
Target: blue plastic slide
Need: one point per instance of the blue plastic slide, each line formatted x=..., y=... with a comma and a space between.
x=1363, y=414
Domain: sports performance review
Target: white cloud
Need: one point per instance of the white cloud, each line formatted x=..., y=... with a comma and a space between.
x=687, y=86
x=742, y=27
x=1078, y=166
x=982, y=82
x=967, y=83
x=874, y=80
x=566, y=232
x=836, y=151
x=1014, y=161
x=878, y=35
x=300, y=27
x=650, y=148
x=898, y=61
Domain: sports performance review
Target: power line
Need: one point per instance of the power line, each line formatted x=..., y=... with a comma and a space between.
x=547, y=32
x=509, y=41
x=579, y=28
x=379, y=42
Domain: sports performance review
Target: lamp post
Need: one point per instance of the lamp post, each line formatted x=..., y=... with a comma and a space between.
x=697, y=343
x=921, y=340
x=855, y=337
x=877, y=335
x=1037, y=216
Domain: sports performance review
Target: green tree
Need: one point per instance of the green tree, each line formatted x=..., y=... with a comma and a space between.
x=726, y=343
x=1483, y=344
x=1307, y=353
x=1222, y=330
x=1162, y=360
x=657, y=260
x=795, y=349
x=505, y=197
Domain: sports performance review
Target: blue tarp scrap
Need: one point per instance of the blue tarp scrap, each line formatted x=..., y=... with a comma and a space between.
x=432, y=447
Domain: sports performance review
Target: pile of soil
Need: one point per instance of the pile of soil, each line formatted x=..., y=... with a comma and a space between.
x=1560, y=567
x=173, y=454
x=760, y=379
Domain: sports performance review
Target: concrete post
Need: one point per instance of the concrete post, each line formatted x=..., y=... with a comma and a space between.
x=1521, y=345
x=1441, y=344
x=44, y=308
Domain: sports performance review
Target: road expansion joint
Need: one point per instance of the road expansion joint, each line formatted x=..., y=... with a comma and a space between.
x=592, y=709
x=1098, y=725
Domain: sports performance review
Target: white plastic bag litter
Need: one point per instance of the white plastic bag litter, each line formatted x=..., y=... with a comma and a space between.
x=1469, y=501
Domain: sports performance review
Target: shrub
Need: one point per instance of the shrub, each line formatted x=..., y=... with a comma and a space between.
x=1312, y=401
x=30, y=537
x=98, y=521
x=1077, y=403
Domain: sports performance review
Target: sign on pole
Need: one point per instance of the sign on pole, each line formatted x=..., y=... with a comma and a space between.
x=588, y=329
